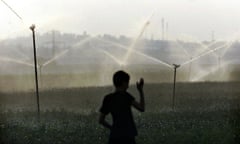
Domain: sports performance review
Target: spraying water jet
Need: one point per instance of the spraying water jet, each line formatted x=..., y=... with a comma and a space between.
x=7, y=59
x=76, y=46
x=205, y=53
x=130, y=49
x=138, y=52
x=119, y=62
x=205, y=74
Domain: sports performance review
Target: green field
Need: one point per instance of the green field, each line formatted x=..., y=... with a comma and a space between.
x=206, y=113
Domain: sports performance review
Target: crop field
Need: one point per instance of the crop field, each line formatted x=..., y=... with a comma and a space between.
x=207, y=112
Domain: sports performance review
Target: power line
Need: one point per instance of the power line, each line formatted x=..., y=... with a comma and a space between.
x=12, y=10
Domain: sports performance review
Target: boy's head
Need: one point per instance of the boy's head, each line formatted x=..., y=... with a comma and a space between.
x=121, y=79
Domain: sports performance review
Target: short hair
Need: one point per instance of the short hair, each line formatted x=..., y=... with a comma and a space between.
x=119, y=77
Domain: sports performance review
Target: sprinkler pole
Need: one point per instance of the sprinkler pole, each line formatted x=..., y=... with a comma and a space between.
x=174, y=84
x=32, y=28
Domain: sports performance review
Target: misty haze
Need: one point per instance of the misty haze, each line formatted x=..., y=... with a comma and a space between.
x=58, y=60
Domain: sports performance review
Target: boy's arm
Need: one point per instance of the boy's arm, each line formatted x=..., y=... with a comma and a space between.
x=140, y=105
x=103, y=121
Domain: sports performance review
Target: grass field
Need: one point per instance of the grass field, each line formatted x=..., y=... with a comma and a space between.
x=206, y=113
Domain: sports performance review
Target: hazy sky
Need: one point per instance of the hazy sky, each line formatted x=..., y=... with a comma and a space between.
x=187, y=19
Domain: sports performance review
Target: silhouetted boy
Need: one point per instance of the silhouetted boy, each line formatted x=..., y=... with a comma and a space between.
x=118, y=104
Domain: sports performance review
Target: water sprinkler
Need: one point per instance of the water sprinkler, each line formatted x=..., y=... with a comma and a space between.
x=32, y=28
x=175, y=66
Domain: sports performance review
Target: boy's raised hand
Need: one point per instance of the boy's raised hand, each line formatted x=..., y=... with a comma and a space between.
x=140, y=84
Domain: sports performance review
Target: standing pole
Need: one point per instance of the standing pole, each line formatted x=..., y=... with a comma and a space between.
x=35, y=66
x=174, y=85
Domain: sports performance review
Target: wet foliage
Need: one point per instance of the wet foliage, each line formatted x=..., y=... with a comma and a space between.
x=60, y=127
x=205, y=113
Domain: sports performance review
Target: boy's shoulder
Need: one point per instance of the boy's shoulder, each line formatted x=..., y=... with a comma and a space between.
x=109, y=96
x=116, y=94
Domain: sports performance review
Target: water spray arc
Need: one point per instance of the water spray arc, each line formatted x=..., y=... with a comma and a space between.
x=119, y=62
x=205, y=53
x=220, y=64
x=7, y=59
x=130, y=49
x=59, y=55
x=137, y=52
x=188, y=55
x=32, y=28
x=55, y=58
x=213, y=70
x=205, y=49
x=220, y=54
